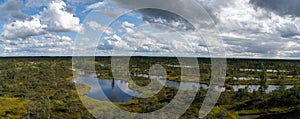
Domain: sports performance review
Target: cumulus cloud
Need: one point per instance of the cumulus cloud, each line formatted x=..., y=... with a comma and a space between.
x=114, y=42
x=147, y=41
x=48, y=43
x=38, y=34
x=35, y=4
x=257, y=28
x=249, y=30
x=23, y=29
x=56, y=13
x=60, y=19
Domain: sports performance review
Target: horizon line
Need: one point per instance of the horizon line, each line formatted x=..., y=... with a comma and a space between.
x=258, y=58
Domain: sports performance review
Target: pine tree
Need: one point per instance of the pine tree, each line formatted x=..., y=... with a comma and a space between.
x=263, y=79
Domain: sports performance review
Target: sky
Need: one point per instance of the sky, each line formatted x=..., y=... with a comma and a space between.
x=247, y=28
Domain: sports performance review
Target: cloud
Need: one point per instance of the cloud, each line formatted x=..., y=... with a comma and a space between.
x=149, y=41
x=255, y=28
x=126, y=24
x=35, y=35
x=165, y=18
x=153, y=15
x=93, y=6
x=48, y=43
x=98, y=27
x=24, y=29
x=56, y=14
x=60, y=19
x=280, y=7
x=11, y=10
x=160, y=15
x=254, y=31
x=81, y=1
x=114, y=42
x=37, y=3
x=249, y=28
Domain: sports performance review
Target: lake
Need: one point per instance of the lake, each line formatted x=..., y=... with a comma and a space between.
x=119, y=91
x=107, y=90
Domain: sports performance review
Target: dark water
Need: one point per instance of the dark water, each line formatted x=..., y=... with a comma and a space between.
x=113, y=91
x=107, y=90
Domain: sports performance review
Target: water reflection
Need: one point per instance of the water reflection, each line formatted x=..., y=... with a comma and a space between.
x=106, y=90
x=119, y=91
x=183, y=85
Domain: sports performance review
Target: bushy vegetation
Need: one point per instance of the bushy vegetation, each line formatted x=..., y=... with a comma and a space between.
x=12, y=107
x=43, y=88
x=39, y=88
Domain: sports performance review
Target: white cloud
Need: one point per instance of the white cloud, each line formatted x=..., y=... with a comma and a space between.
x=128, y=27
x=60, y=20
x=98, y=27
x=44, y=45
x=114, y=42
x=147, y=41
x=94, y=6
x=129, y=30
x=126, y=24
x=24, y=29
x=249, y=31
x=35, y=34
x=118, y=38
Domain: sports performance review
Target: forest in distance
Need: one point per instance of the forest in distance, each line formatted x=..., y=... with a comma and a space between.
x=43, y=87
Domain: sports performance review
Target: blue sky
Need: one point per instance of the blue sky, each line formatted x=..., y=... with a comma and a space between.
x=247, y=28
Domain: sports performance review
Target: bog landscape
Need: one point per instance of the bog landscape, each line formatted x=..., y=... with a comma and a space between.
x=149, y=59
x=44, y=87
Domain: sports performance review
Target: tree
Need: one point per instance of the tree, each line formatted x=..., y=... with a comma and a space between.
x=263, y=79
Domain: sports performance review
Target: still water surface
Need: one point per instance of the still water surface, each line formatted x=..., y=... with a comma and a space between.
x=119, y=91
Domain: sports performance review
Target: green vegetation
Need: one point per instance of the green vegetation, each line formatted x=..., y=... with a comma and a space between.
x=12, y=107
x=39, y=88
x=275, y=71
x=43, y=88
